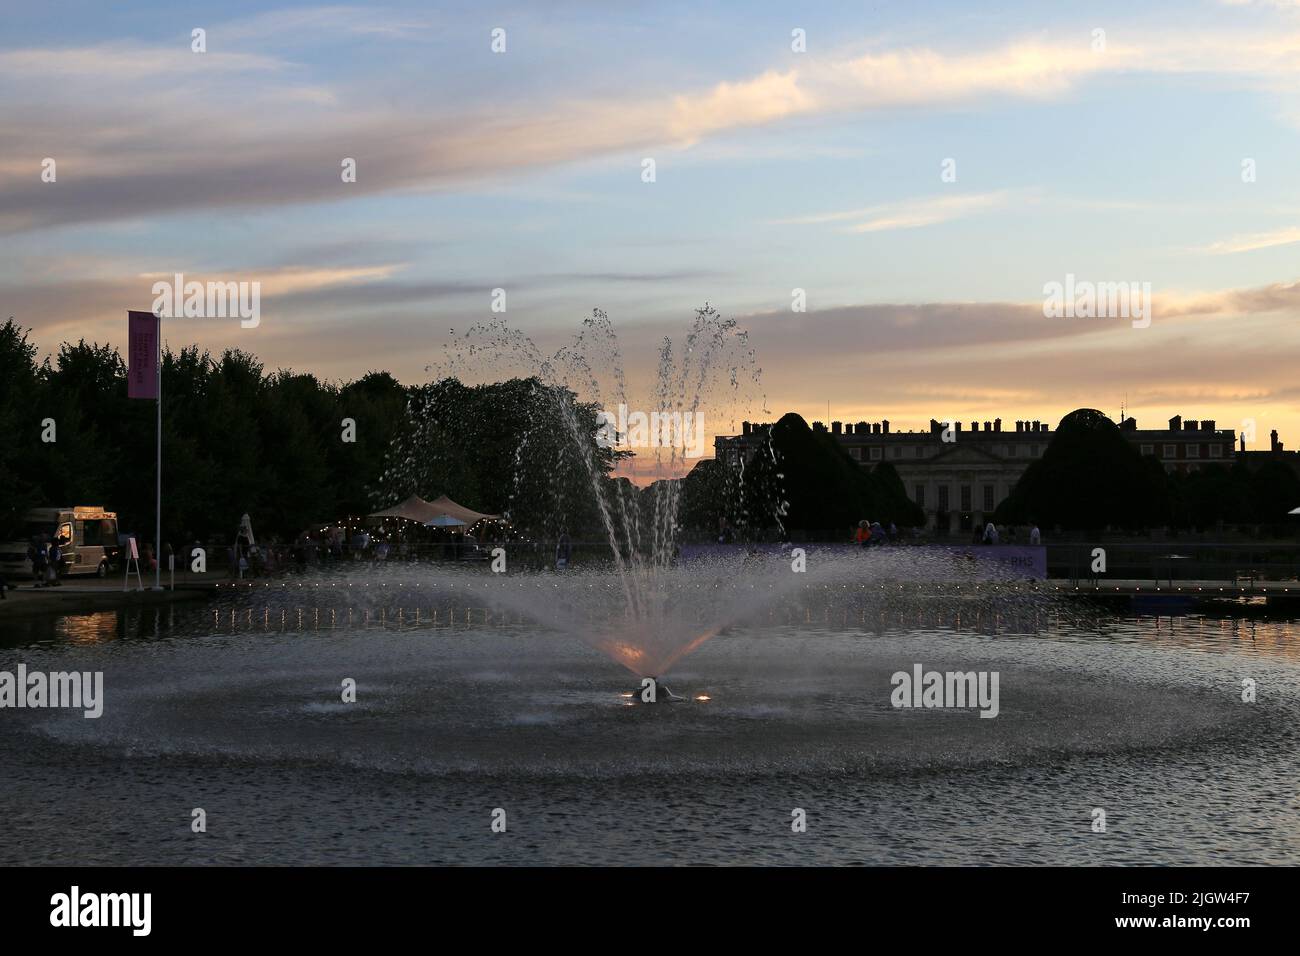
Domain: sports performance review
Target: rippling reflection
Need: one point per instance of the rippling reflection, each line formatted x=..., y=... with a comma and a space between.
x=461, y=706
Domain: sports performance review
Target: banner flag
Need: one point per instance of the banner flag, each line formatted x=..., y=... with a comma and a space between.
x=142, y=355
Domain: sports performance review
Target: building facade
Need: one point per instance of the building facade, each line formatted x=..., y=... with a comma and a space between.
x=1184, y=446
x=959, y=472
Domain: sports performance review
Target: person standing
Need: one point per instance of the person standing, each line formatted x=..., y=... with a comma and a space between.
x=53, y=559
x=36, y=555
x=1035, y=536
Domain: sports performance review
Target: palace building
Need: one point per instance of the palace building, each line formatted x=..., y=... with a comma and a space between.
x=959, y=473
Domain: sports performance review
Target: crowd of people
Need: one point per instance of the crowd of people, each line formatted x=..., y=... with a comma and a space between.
x=870, y=534
x=336, y=546
x=1006, y=534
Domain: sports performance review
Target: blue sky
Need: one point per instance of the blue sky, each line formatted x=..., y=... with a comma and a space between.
x=775, y=170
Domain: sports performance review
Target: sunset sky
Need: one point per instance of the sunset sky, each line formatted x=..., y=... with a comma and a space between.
x=775, y=170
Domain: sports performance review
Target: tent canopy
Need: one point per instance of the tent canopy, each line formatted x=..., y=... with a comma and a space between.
x=416, y=508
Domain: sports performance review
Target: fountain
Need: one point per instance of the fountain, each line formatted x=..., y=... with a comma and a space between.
x=640, y=604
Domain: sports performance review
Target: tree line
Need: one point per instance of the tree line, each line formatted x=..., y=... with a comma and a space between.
x=236, y=439
x=1091, y=478
x=295, y=451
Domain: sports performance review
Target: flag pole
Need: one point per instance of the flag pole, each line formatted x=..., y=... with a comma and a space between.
x=157, y=527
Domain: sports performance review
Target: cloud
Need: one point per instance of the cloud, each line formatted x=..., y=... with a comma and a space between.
x=289, y=281
x=1277, y=298
x=1215, y=353
x=906, y=214
x=1253, y=241
x=147, y=131
x=328, y=20
x=111, y=63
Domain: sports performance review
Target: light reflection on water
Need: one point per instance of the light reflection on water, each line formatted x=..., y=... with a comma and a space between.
x=1243, y=626
x=1103, y=707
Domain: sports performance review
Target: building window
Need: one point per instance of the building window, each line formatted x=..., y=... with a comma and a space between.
x=1171, y=451
x=1148, y=449
x=896, y=451
x=875, y=454
x=918, y=495
x=943, y=497
x=1033, y=451
x=965, y=497
x=1193, y=450
x=920, y=451
x=1020, y=451
x=856, y=453
x=1216, y=451
x=988, y=498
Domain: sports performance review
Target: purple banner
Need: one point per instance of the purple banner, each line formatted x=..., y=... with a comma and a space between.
x=142, y=355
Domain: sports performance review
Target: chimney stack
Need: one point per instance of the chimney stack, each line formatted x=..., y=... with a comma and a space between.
x=1176, y=423
x=997, y=425
x=884, y=427
x=745, y=428
x=1207, y=424
x=974, y=426
x=875, y=428
x=837, y=428
x=1273, y=443
x=1020, y=426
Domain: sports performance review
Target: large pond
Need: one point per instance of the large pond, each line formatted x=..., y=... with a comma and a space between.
x=236, y=706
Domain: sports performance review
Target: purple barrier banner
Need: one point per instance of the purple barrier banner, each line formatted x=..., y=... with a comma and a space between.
x=997, y=562
x=1005, y=561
